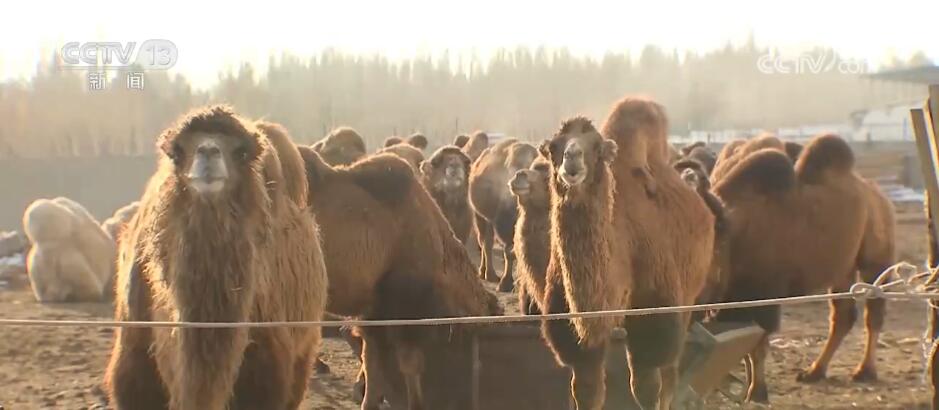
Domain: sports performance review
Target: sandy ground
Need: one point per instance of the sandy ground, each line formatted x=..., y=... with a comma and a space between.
x=61, y=368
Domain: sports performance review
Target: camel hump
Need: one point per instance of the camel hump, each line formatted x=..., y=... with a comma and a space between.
x=825, y=154
x=386, y=177
x=764, y=172
x=638, y=120
x=291, y=162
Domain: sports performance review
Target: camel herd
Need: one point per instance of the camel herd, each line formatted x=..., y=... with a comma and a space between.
x=240, y=224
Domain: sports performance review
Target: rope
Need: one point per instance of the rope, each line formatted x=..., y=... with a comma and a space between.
x=880, y=288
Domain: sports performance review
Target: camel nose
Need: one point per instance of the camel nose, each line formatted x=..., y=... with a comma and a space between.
x=208, y=150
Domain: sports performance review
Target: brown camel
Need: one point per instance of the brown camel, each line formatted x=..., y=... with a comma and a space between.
x=409, y=153
x=532, y=239
x=794, y=231
x=494, y=207
x=476, y=144
x=390, y=254
x=219, y=237
x=626, y=233
x=461, y=140
x=445, y=175
x=417, y=140
x=391, y=141
x=734, y=153
x=342, y=146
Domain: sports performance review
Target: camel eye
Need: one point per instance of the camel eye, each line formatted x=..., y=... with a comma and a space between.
x=241, y=153
x=176, y=152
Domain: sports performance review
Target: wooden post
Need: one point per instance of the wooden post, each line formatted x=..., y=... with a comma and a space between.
x=474, y=356
x=926, y=146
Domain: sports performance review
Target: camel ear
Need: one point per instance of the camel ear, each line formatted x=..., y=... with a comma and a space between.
x=644, y=177
x=426, y=167
x=608, y=149
x=545, y=148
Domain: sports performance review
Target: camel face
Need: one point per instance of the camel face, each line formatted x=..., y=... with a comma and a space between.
x=210, y=163
x=447, y=169
x=531, y=185
x=691, y=178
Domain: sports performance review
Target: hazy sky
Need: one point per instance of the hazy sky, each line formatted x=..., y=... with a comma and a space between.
x=213, y=36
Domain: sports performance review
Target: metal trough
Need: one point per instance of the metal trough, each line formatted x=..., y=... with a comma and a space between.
x=513, y=369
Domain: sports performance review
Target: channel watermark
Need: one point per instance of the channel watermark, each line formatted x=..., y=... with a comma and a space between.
x=809, y=63
x=153, y=54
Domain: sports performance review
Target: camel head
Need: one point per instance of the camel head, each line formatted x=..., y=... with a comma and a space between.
x=447, y=169
x=521, y=155
x=694, y=174
x=342, y=146
x=530, y=186
x=212, y=151
x=578, y=152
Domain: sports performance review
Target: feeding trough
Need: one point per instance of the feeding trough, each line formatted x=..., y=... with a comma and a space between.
x=513, y=369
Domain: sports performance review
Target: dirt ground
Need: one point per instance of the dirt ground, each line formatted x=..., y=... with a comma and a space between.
x=62, y=367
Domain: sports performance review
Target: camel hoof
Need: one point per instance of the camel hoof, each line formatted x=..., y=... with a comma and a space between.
x=864, y=375
x=758, y=395
x=321, y=367
x=506, y=285
x=810, y=375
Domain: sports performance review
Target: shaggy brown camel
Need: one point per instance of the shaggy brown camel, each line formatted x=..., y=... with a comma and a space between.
x=626, y=233
x=342, y=146
x=494, y=207
x=794, y=231
x=220, y=237
x=532, y=239
x=445, y=175
x=390, y=254
x=476, y=144
x=734, y=153
x=411, y=154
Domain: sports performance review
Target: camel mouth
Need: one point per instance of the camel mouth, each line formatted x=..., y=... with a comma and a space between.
x=572, y=178
x=207, y=185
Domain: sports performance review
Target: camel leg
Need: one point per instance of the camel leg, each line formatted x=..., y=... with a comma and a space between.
x=265, y=375
x=485, y=237
x=506, y=284
x=588, y=380
x=373, y=374
x=654, y=343
x=874, y=311
x=411, y=362
x=843, y=316
x=132, y=379
x=757, y=392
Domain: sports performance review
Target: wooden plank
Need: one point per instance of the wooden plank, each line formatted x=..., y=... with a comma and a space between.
x=933, y=105
x=926, y=147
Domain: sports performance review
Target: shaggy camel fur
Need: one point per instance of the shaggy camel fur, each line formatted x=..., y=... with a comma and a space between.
x=342, y=146
x=417, y=140
x=476, y=144
x=626, y=232
x=794, y=231
x=532, y=239
x=494, y=207
x=391, y=254
x=461, y=140
x=72, y=258
x=409, y=153
x=219, y=237
x=695, y=175
x=734, y=153
x=113, y=225
x=445, y=175
x=391, y=141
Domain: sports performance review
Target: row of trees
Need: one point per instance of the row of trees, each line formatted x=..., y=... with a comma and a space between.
x=521, y=92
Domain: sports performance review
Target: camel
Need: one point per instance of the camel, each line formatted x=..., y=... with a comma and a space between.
x=626, y=233
x=798, y=230
x=391, y=141
x=391, y=254
x=532, y=243
x=220, y=236
x=72, y=257
x=417, y=140
x=475, y=145
x=735, y=151
x=494, y=207
x=411, y=154
x=342, y=146
x=461, y=140
x=445, y=175
x=115, y=224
